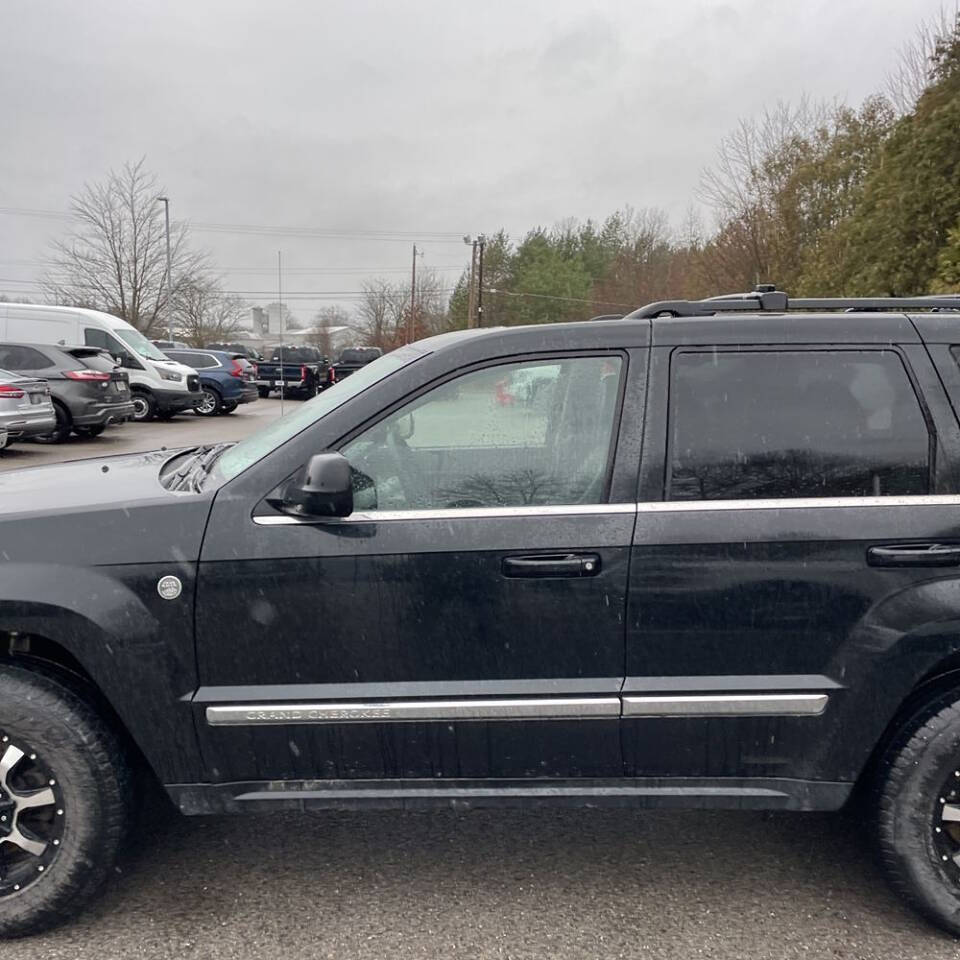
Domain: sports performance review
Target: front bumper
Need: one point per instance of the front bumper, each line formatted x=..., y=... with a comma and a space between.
x=176, y=400
x=22, y=424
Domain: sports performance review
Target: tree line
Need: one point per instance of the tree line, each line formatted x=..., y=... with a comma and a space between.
x=820, y=199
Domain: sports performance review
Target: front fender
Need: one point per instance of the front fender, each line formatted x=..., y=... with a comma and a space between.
x=136, y=646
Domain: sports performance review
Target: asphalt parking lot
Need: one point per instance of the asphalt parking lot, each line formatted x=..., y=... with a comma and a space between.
x=182, y=431
x=496, y=884
x=483, y=884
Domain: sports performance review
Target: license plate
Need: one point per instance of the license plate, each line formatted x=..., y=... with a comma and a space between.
x=280, y=383
x=120, y=387
x=36, y=398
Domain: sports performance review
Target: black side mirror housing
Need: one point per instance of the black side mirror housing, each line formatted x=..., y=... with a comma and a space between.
x=324, y=488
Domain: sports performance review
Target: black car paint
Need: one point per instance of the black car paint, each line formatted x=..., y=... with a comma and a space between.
x=718, y=601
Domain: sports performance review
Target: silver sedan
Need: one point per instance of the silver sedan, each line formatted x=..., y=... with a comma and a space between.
x=26, y=409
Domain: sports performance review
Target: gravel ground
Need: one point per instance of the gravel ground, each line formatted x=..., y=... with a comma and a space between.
x=496, y=884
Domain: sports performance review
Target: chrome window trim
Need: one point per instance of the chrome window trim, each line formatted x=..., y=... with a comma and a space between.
x=599, y=509
x=722, y=705
x=466, y=513
x=533, y=708
x=799, y=503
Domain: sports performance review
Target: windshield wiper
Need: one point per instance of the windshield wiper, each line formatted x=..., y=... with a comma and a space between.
x=196, y=467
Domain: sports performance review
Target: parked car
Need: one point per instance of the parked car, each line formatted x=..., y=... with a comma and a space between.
x=351, y=359
x=249, y=352
x=25, y=412
x=159, y=387
x=715, y=563
x=226, y=379
x=297, y=371
x=88, y=388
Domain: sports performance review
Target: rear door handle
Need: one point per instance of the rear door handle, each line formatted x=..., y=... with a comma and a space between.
x=915, y=555
x=552, y=565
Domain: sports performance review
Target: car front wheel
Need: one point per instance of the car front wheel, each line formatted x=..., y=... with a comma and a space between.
x=144, y=406
x=64, y=801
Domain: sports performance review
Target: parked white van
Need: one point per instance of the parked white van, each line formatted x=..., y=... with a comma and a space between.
x=160, y=387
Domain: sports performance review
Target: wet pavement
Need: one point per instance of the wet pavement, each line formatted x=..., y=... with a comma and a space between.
x=496, y=884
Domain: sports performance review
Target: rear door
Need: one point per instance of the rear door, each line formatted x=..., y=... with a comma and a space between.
x=797, y=516
x=466, y=621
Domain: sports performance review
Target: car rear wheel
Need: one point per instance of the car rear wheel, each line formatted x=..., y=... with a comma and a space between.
x=64, y=801
x=264, y=392
x=61, y=432
x=918, y=812
x=228, y=406
x=144, y=406
x=211, y=403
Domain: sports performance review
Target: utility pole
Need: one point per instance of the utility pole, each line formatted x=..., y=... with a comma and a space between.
x=481, y=243
x=283, y=382
x=166, y=302
x=472, y=293
x=411, y=323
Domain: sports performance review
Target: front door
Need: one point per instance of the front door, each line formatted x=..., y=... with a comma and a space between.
x=466, y=621
x=807, y=497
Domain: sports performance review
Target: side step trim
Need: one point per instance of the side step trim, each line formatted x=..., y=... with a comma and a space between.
x=679, y=793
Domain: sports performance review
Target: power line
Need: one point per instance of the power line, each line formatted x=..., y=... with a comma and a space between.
x=273, y=230
x=546, y=296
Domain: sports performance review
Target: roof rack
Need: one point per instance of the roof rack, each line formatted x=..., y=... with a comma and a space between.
x=765, y=297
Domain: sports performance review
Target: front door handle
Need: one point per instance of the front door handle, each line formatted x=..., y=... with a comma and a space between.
x=915, y=555
x=552, y=565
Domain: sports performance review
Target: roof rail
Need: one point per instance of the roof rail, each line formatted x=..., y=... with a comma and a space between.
x=766, y=298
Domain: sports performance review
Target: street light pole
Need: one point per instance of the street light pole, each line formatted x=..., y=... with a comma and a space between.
x=481, y=243
x=166, y=208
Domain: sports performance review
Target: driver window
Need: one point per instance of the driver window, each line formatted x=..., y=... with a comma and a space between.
x=519, y=434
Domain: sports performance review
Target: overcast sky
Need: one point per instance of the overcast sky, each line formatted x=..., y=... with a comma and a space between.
x=435, y=116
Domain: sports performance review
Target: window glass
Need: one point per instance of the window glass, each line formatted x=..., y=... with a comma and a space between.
x=23, y=358
x=139, y=343
x=258, y=445
x=530, y=433
x=795, y=424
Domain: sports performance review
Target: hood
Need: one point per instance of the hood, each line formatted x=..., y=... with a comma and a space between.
x=174, y=365
x=107, y=510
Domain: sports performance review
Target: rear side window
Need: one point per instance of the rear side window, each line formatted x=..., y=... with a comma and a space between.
x=795, y=424
x=23, y=358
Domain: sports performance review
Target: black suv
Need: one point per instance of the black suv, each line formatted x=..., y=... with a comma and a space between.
x=712, y=560
x=88, y=388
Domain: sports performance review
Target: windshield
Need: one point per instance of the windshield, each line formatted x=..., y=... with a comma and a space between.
x=139, y=343
x=254, y=448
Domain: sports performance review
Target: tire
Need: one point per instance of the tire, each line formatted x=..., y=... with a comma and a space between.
x=211, y=404
x=264, y=392
x=93, y=431
x=61, y=432
x=144, y=406
x=917, y=792
x=228, y=406
x=49, y=733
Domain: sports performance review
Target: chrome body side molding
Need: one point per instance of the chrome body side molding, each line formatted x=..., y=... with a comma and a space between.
x=725, y=705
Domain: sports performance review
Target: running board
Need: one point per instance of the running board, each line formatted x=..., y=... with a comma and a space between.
x=304, y=795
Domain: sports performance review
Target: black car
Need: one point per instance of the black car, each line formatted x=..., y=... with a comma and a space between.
x=713, y=560
x=293, y=371
x=351, y=359
x=249, y=352
x=89, y=389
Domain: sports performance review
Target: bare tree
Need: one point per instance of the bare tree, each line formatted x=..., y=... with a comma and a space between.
x=205, y=313
x=381, y=314
x=115, y=258
x=909, y=78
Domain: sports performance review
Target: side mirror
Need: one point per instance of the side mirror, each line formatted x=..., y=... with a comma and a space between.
x=324, y=488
